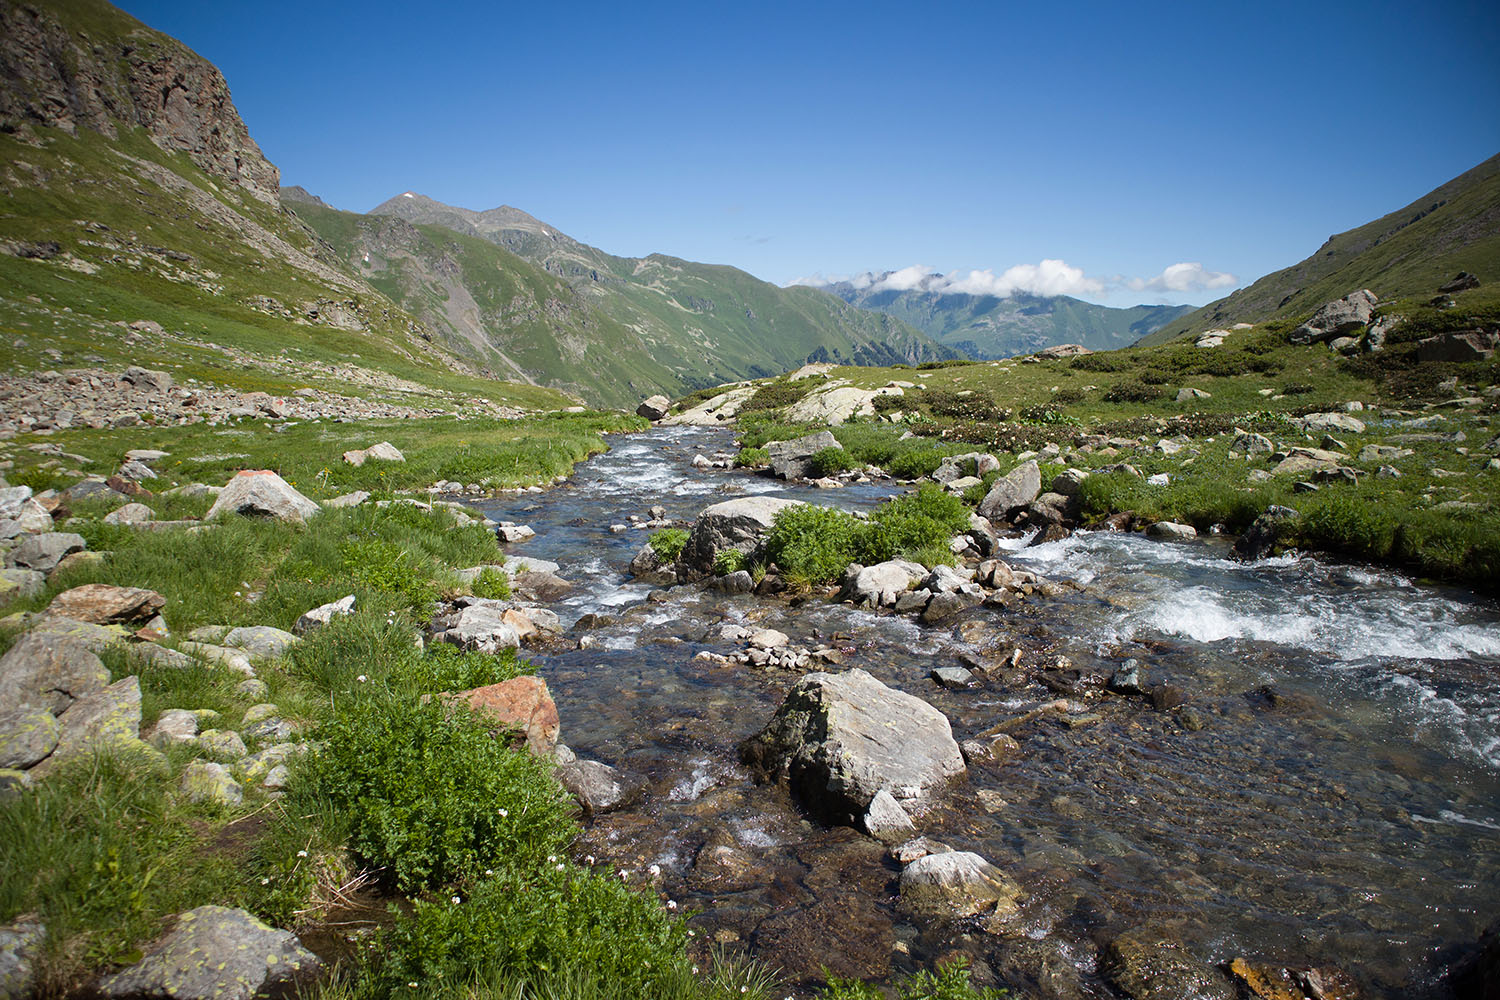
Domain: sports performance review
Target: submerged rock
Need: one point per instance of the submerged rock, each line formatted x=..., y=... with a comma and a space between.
x=598, y=787
x=958, y=884
x=1146, y=963
x=841, y=739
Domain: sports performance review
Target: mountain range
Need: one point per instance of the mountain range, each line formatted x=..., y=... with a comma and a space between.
x=988, y=326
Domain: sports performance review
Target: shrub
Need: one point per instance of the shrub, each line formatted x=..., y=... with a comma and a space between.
x=950, y=982
x=1340, y=522
x=888, y=402
x=432, y=796
x=911, y=524
x=1131, y=391
x=730, y=561
x=752, y=458
x=1298, y=389
x=442, y=667
x=668, y=543
x=554, y=923
x=492, y=584
x=915, y=464
x=968, y=404
x=773, y=395
x=1102, y=361
x=830, y=461
x=811, y=544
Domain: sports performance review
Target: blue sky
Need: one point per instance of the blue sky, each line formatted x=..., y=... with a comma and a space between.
x=1113, y=140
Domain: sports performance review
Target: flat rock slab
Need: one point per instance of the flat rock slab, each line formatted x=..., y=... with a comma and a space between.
x=840, y=739
x=104, y=604
x=219, y=953
x=262, y=493
x=260, y=641
x=43, y=552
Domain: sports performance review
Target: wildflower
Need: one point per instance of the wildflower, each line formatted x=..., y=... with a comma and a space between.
x=489, y=871
x=559, y=867
x=624, y=874
x=301, y=854
x=671, y=904
x=744, y=989
x=588, y=859
x=265, y=881
x=695, y=970
x=551, y=858
x=361, y=678
x=504, y=813
x=412, y=985
x=456, y=900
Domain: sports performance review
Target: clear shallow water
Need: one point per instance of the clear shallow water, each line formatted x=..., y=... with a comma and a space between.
x=1340, y=803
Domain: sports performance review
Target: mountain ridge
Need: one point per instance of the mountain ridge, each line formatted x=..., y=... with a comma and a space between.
x=1408, y=252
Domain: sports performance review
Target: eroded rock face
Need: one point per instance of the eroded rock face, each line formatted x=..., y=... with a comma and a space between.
x=734, y=524
x=59, y=78
x=216, y=952
x=840, y=739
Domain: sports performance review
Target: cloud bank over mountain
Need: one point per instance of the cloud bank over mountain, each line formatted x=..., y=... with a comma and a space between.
x=1049, y=277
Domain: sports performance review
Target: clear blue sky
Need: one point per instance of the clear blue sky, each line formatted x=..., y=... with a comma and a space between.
x=808, y=138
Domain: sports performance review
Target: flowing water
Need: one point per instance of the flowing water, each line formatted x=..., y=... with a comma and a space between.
x=1329, y=794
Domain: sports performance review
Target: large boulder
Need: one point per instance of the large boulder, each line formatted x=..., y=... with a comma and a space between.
x=882, y=584
x=12, y=500
x=1315, y=423
x=958, y=884
x=738, y=524
x=1014, y=490
x=27, y=735
x=523, y=704
x=1275, y=524
x=836, y=404
x=1468, y=345
x=43, y=552
x=382, y=452
x=110, y=716
x=654, y=407
x=262, y=493
x=105, y=604
x=840, y=739
x=216, y=952
x=17, y=583
x=49, y=672
x=793, y=459
x=1352, y=312
x=598, y=787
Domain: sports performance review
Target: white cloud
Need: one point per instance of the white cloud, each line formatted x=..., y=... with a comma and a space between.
x=1049, y=277
x=1188, y=276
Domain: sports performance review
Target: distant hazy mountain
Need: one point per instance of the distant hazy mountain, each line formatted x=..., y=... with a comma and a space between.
x=1410, y=252
x=987, y=326
x=668, y=324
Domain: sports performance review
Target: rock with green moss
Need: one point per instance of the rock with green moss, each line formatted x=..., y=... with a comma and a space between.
x=49, y=671
x=203, y=781
x=16, y=583
x=217, y=952
x=20, y=950
x=27, y=735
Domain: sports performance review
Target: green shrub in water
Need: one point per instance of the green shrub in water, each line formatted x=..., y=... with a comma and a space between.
x=915, y=464
x=752, y=458
x=730, y=561
x=811, y=544
x=433, y=796
x=668, y=543
x=914, y=523
x=950, y=982
x=830, y=461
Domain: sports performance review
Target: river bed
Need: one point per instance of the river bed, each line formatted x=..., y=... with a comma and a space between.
x=1329, y=794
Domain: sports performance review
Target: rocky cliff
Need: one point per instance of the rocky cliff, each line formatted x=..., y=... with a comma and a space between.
x=74, y=64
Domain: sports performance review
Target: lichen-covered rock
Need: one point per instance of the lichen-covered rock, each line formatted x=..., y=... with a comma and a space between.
x=110, y=716
x=27, y=735
x=219, y=953
x=958, y=884
x=20, y=951
x=105, y=604
x=16, y=583
x=43, y=552
x=262, y=493
x=260, y=641
x=131, y=513
x=1340, y=316
x=840, y=739
x=203, y=781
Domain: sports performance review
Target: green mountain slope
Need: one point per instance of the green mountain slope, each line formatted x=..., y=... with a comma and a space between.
x=131, y=191
x=703, y=323
x=1410, y=252
x=986, y=327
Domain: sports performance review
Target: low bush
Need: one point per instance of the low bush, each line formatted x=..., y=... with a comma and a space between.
x=950, y=982
x=730, y=561
x=811, y=544
x=442, y=667
x=1132, y=391
x=554, y=923
x=752, y=458
x=491, y=584
x=912, y=525
x=432, y=796
x=668, y=543
x=829, y=462
x=773, y=395
x=915, y=464
x=968, y=404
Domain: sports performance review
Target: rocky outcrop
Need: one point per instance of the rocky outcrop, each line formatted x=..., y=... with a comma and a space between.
x=53, y=74
x=217, y=952
x=841, y=739
x=738, y=524
x=1469, y=345
x=1345, y=315
x=654, y=407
